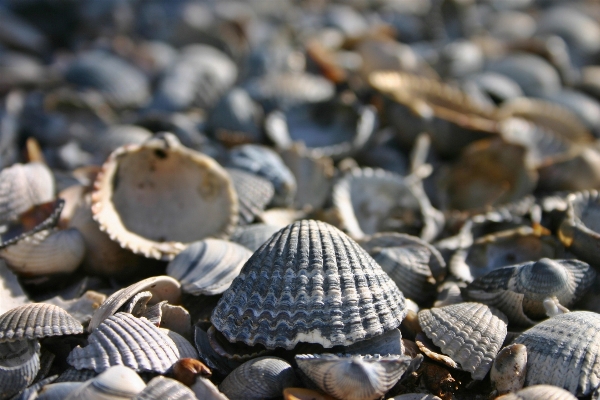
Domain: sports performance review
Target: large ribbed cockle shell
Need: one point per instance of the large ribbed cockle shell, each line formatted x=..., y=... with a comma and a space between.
x=37, y=321
x=116, y=383
x=563, y=351
x=123, y=339
x=470, y=333
x=157, y=197
x=354, y=377
x=309, y=283
x=19, y=364
x=519, y=291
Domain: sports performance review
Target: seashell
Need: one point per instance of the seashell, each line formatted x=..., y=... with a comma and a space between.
x=17, y=69
x=117, y=382
x=282, y=217
x=137, y=202
x=583, y=106
x=237, y=352
x=205, y=389
x=120, y=83
x=354, y=377
x=520, y=290
x=499, y=88
x=123, y=339
x=561, y=352
x=266, y=163
x=184, y=347
x=76, y=375
x=186, y=370
x=579, y=231
x=304, y=394
x=508, y=371
x=37, y=321
x=470, y=333
x=23, y=186
x=389, y=342
x=19, y=365
x=332, y=307
x=254, y=194
x=81, y=308
x=161, y=287
x=11, y=292
x=371, y=201
x=173, y=318
x=57, y=391
x=413, y=264
x=332, y=128
x=261, y=378
x=215, y=359
x=163, y=388
x=209, y=266
x=577, y=170
x=539, y=392
x=253, y=236
x=117, y=136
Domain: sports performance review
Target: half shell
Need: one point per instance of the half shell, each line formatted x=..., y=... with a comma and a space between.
x=37, y=321
x=19, y=364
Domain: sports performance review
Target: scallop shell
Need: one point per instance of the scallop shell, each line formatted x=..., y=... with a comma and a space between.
x=123, y=339
x=19, y=365
x=139, y=204
x=312, y=279
x=37, y=321
x=413, y=264
x=165, y=388
x=470, y=333
x=580, y=230
x=253, y=236
x=254, y=194
x=562, y=351
x=520, y=290
x=354, y=377
x=116, y=383
x=23, y=186
x=539, y=392
x=209, y=266
x=261, y=378
x=372, y=200
x=508, y=371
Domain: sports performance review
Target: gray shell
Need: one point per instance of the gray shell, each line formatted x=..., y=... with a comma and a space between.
x=254, y=194
x=36, y=321
x=317, y=283
x=470, y=333
x=580, y=230
x=116, y=383
x=539, y=392
x=253, y=236
x=261, y=378
x=19, y=364
x=563, y=350
x=165, y=388
x=520, y=290
x=508, y=371
x=11, y=292
x=123, y=339
x=209, y=266
x=76, y=375
x=205, y=389
x=354, y=377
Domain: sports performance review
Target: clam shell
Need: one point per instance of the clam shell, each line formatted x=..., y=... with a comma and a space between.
x=562, y=351
x=117, y=382
x=519, y=291
x=539, y=392
x=37, y=321
x=261, y=378
x=19, y=365
x=165, y=388
x=580, y=230
x=139, y=204
x=253, y=236
x=254, y=194
x=508, y=371
x=470, y=333
x=317, y=283
x=123, y=339
x=354, y=377
x=23, y=186
x=209, y=266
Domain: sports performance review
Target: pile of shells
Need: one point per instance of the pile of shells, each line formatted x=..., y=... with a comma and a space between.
x=265, y=199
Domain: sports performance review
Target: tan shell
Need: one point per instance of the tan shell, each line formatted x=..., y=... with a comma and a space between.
x=36, y=321
x=509, y=368
x=156, y=197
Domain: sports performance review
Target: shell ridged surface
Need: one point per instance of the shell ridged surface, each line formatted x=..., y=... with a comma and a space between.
x=36, y=321
x=354, y=377
x=470, y=333
x=19, y=364
x=309, y=283
x=254, y=193
x=116, y=383
x=209, y=266
x=165, y=388
x=123, y=339
x=563, y=351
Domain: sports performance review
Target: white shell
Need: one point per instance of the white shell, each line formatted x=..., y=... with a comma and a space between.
x=116, y=383
x=19, y=364
x=11, y=292
x=165, y=388
x=509, y=368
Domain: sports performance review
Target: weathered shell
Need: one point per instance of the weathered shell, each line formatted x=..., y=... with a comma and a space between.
x=413, y=264
x=539, y=392
x=19, y=364
x=116, y=383
x=253, y=236
x=470, y=333
x=354, y=377
x=580, y=230
x=161, y=287
x=23, y=186
x=123, y=339
x=139, y=204
x=373, y=200
x=263, y=377
x=37, y=321
x=254, y=194
x=209, y=266
x=317, y=283
x=510, y=366
x=562, y=351
x=205, y=389
x=520, y=290
x=165, y=388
